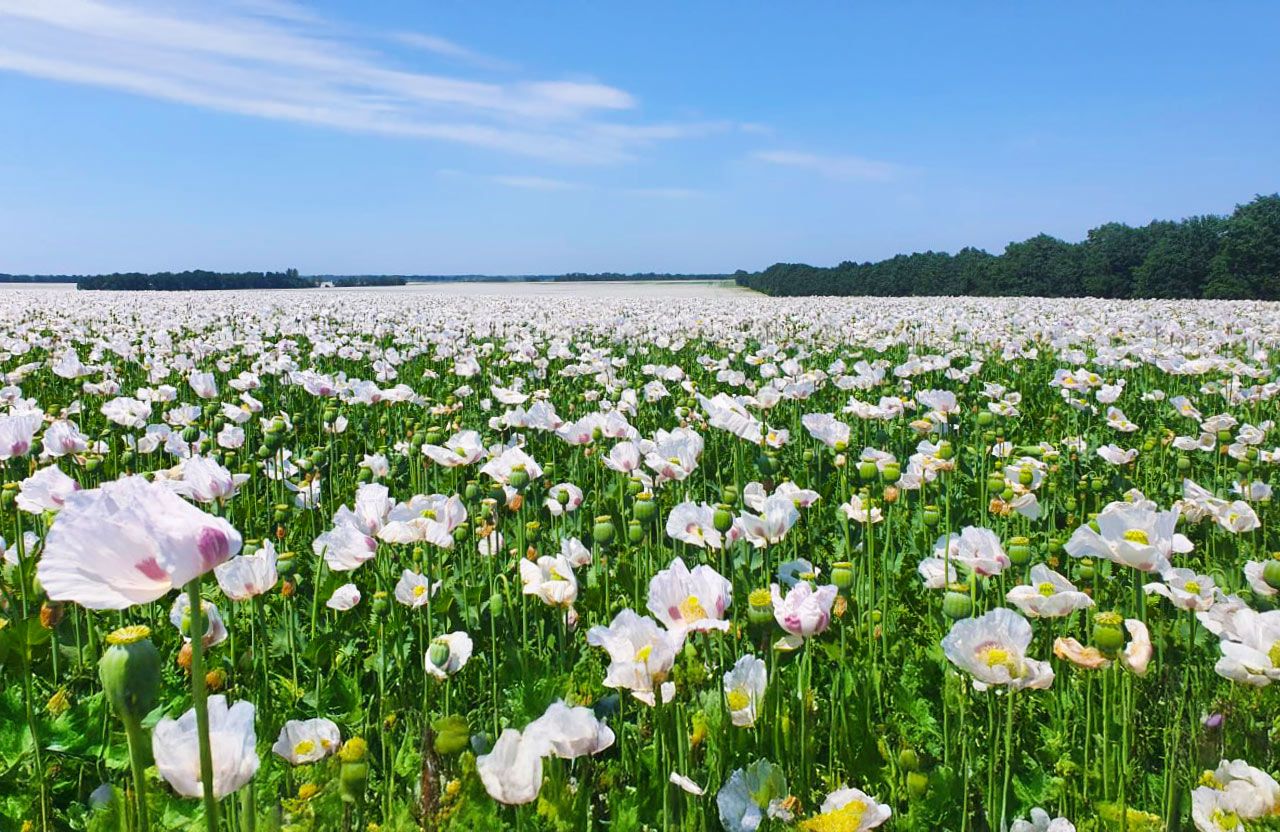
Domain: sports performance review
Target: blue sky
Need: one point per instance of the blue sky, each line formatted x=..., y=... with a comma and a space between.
x=406, y=136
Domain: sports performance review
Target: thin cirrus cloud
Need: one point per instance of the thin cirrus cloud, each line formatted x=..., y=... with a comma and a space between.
x=271, y=59
x=527, y=182
x=448, y=49
x=831, y=167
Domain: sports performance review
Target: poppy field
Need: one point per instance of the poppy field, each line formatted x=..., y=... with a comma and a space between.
x=325, y=560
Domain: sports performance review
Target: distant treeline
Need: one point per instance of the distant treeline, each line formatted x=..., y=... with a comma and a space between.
x=194, y=281
x=358, y=279
x=570, y=277
x=1200, y=257
x=37, y=278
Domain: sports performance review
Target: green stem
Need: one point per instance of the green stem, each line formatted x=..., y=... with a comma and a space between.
x=138, y=763
x=198, y=696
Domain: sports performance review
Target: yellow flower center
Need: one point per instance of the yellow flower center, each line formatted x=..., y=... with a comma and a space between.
x=429, y=513
x=129, y=635
x=738, y=699
x=1225, y=820
x=1046, y=589
x=304, y=747
x=1192, y=586
x=418, y=590
x=642, y=655
x=307, y=791
x=1208, y=778
x=994, y=657
x=691, y=609
x=1137, y=536
x=1274, y=654
x=847, y=818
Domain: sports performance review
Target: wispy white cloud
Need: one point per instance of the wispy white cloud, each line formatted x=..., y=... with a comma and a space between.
x=666, y=193
x=537, y=183
x=448, y=49
x=274, y=59
x=831, y=167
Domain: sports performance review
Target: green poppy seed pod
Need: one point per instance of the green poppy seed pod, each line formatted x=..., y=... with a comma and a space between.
x=1086, y=570
x=93, y=463
x=1107, y=635
x=1224, y=436
x=1019, y=550
x=1026, y=476
x=1251, y=454
x=364, y=475
x=602, y=532
x=1006, y=494
x=1072, y=504
x=645, y=509
x=433, y=436
x=807, y=455
x=634, y=487
x=263, y=451
x=330, y=413
x=127, y=457
x=562, y=496
x=722, y=519
x=497, y=494
x=635, y=532
x=1184, y=464
x=892, y=472
x=1244, y=466
x=438, y=653
x=531, y=530
x=130, y=672
x=767, y=463
x=549, y=470
x=908, y=760
x=352, y=779
x=1149, y=445
x=917, y=784
x=1271, y=571
x=596, y=434
x=760, y=607
x=842, y=574
x=472, y=491
x=995, y=483
x=1055, y=546
x=519, y=478
x=989, y=436
x=303, y=464
x=985, y=418
x=317, y=457
x=1096, y=484
x=281, y=512
x=190, y=433
x=729, y=494
x=867, y=470
x=273, y=441
x=957, y=605
x=460, y=533
x=932, y=516
x=945, y=450
x=380, y=604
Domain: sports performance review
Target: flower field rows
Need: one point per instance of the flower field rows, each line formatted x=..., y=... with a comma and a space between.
x=568, y=564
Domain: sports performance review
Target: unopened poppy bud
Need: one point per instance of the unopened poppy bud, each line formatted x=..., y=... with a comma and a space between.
x=472, y=491
x=842, y=574
x=908, y=760
x=496, y=604
x=985, y=418
x=729, y=494
x=917, y=784
x=957, y=605
x=945, y=450
x=460, y=533
x=995, y=483
x=130, y=672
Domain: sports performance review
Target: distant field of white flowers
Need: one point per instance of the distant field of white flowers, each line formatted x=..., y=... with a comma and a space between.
x=573, y=562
